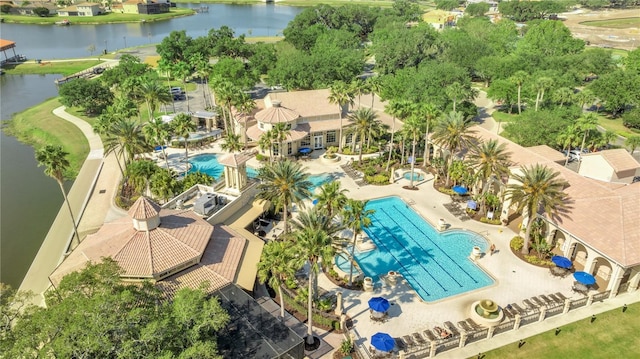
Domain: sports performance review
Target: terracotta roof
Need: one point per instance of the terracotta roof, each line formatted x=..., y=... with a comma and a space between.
x=180, y=239
x=235, y=159
x=194, y=277
x=603, y=215
x=312, y=103
x=549, y=153
x=300, y=132
x=277, y=114
x=619, y=159
x=144, y=208
x=6, y=44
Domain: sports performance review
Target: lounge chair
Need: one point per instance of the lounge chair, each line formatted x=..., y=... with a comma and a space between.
x=419, y=339
x=561, y=296
x=509, y=313
x=474, y=325
x=547, y=300
x=555, y=298
x=539, y=302
x=530, y=306
x=452, y=328
x=465, y=326
x=408, y=341
x=430, y=336
x=400, y=344
x=518, y=309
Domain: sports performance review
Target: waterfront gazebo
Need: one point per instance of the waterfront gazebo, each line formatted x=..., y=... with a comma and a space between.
x=7, y=45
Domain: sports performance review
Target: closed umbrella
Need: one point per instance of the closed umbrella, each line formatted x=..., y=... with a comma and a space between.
x=383, y=342
x=562, y=262
x=584, y=278
x=459, y=190
x=379, y=304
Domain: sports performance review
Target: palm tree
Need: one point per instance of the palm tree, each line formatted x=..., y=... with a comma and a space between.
x=542, y=83
x=231, y=143
x=167, y=67
x=153, y=94
x=266, y=142
x=182, y=126
x=182, y=70
x=413, y=127
x=277, y=263
x=279, y=133
x=519, y=78
x=340, y=95
x=356, y=217
x=489, y=159
x=456, y=91
x=203, y=70
x=363, y=119
x=588, y=122
x=537, y=190
x=359, y=87
x=125, y=139
x=375, y=86
x=452, y=132
x=400, y=110
x=139, y=173
x=226, y=93
x=632, y=142
x=332, y=196
x=163, y=184
x=157, y=131
x=54, y=159
x=315, y=246
x=245, y=105
x=567, y=139
x=585, y=97
x=563, y=95
x=284, y=183
x=430, y=112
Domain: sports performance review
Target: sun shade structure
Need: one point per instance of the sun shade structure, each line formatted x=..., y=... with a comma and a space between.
x=383, y=342
x=584, y=278
x=562, y=262
x=379, y=304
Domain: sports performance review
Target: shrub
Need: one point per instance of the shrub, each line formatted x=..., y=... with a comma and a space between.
x=260, y=157
x=379, y=179
x=490, y=221
x=41, y=11
x=5, y=8
x=537, y=261
x=370, y=171
x=325, y=304
x=291, y=283
x=347, y=151
x=346, y=347
x=516, y=243
x=631, y=119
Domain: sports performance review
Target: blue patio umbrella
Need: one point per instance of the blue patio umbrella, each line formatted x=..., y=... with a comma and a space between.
x=562, y=262
x=315, y=201
x=584, y=278
x=459, y=190
x=383, y=342
x=379, y=304
x=472, y=204
x=304, y=150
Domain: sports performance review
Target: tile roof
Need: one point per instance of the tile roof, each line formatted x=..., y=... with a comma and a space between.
x=144, y=208
x=619, y=159
x=603, y=215
x=300, y=132
x=276, y=114
x=312, y=103
x=235, y=159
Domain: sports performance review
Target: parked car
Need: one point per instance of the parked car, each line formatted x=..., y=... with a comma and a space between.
x=177, y=91
x=97, y=70
x=574, y=155
x=179, y=97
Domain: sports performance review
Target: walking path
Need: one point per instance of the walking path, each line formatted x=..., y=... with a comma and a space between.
x=90, y=210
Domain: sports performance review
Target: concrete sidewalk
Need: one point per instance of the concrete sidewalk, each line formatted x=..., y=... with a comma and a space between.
x=90, y=206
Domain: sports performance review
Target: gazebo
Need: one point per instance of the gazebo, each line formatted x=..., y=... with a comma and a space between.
x=6, y=45
x=235, y=171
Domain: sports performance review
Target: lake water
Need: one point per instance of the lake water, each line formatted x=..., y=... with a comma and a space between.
x=31, y=200
x=50, y=41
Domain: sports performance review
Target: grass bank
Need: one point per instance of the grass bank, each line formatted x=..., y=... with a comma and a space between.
x=615, y=125
x=110, y=18
x=38, y=126
x=50, y=67
x=609, y=336
x=624, y=23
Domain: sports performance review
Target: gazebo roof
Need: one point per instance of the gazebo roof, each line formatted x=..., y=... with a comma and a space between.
x=144, y=208
x=235, y=159
x=277, y=114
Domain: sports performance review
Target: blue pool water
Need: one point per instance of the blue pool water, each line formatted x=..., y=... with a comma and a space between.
x=416, y=176
x=208, y=163
x=436, y=265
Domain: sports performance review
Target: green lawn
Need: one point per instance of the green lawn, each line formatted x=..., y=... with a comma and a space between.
x=100, y=19
x=503, y=117
x=38, y=126
x=612, y=335
x=623, y=23
x=615, y=125
x=64, y=68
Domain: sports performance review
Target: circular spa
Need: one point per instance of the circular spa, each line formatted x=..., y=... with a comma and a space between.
x=486, y=312
x=418, y=175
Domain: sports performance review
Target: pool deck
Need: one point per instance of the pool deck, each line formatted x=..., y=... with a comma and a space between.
x=514, y=280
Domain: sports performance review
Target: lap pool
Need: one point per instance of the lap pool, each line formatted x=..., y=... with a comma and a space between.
x=435, y=264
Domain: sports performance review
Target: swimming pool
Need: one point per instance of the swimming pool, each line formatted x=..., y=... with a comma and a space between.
x=435, y=264
x=208, y=163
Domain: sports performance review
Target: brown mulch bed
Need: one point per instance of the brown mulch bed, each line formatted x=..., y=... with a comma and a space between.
x=414, y=188
x=338, y=355
x=341, y=284
x=532, y=252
